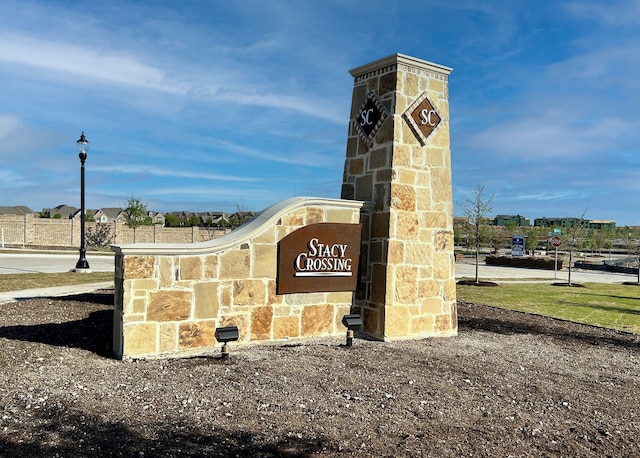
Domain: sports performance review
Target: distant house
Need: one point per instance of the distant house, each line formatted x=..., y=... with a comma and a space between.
x=64, y=212
x=156, y=217
x=17, y=210
x=107, y=215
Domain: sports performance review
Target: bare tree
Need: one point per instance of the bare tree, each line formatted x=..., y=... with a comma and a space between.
x=476, y=210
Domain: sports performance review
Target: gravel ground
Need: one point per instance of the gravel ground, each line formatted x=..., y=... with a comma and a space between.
x=510, y=384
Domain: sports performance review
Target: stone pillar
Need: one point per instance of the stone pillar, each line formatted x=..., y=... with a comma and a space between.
x=399, y=159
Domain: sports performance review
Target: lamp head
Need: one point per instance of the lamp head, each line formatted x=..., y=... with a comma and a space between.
x=82, y=145
x=227, y=334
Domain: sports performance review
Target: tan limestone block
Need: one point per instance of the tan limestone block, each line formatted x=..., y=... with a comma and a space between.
x=225, y=295
x=288, y=326
x=235, y=264
x=168, y=338
x=267, y=236
x=306, y=298
x=401, y=156
x=239, y=320
x=444, y=323
x=424, y=202
x=406, y=225
x=441, y=184
x=432, y=306
x=139, y=339
x=340, y=297
x=419, y=158
x=402, y=103
x=436, y=157
x=434, y=219
x=449, y=288
x=396, y=321
x=265, y=260
x=190, y=268
x=272, y=296
x=206, y=300
x=411, y=85
x=443, y=241
x=443, y=266
x=169, y=306
x=429, y=288
x=138, y=267
x=340, y=313
x=295, y=219
x=436, y=85
x=339, y=215
x=261, y=320
x=139, y=305
x=167, y=275
x=423, y=178
x=249, y=292
x=396, y=251
x=406, y=176
x=314, y=215
x=317, y=320
x=210, y=267
x=142, y=287
x=197, y=334
x=406, y=285
x=282, y=310
x=133, y=317
x=403, y=197
x=418, y=254
x=422, y=325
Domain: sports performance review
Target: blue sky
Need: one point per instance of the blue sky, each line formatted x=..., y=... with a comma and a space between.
x=210, y=105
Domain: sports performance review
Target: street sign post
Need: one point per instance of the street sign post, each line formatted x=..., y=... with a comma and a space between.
x=556, y=242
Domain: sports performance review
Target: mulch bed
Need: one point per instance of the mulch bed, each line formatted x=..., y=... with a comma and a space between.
x=510, y=384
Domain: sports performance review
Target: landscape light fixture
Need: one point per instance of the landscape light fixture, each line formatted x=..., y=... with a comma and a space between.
x=351, y=322
x=82, y=146
x=226, y=335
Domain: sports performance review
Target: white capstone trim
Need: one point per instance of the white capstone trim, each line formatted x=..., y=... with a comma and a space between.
x=250, y=229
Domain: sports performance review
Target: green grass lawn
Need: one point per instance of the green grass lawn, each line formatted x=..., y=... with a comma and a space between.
x=599, y=304
x=18, y=282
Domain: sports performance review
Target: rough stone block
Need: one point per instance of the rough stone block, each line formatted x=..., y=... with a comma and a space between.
x=265, y=259
x=314, y=215
x=261, y=320
x=139, y=339
x=317, y=320
x=406, y=285
x=288, y=326
x=139, y=267
x=169, y=306
x=397, y=319
x=168, y=338
x=249, y=292
x=190, y=268
x=197, y=334
x=210, y=267
x=206, y=303
x=403, y=197
x=235, y=264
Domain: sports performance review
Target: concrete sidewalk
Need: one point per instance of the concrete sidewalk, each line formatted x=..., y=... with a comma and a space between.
x=55, y=291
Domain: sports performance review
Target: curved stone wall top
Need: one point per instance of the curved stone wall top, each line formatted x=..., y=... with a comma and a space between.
x=250, y=229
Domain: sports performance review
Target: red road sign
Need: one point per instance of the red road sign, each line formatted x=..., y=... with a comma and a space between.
x=556, y=241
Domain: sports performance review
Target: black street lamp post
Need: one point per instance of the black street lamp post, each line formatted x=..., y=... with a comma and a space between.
x=83, y=146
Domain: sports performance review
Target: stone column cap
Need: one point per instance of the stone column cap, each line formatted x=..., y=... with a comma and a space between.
x=397, y=58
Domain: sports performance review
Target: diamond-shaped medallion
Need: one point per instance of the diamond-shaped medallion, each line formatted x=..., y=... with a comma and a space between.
x=422, y=117
x=370, y=117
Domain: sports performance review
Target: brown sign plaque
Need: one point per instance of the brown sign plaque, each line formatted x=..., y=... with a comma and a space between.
x=422, y=117
x=319, y=257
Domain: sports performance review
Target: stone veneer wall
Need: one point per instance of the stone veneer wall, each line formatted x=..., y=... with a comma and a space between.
x=408, y=288
x=170, y=298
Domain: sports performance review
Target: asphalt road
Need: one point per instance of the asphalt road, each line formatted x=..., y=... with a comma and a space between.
x=12, y=263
